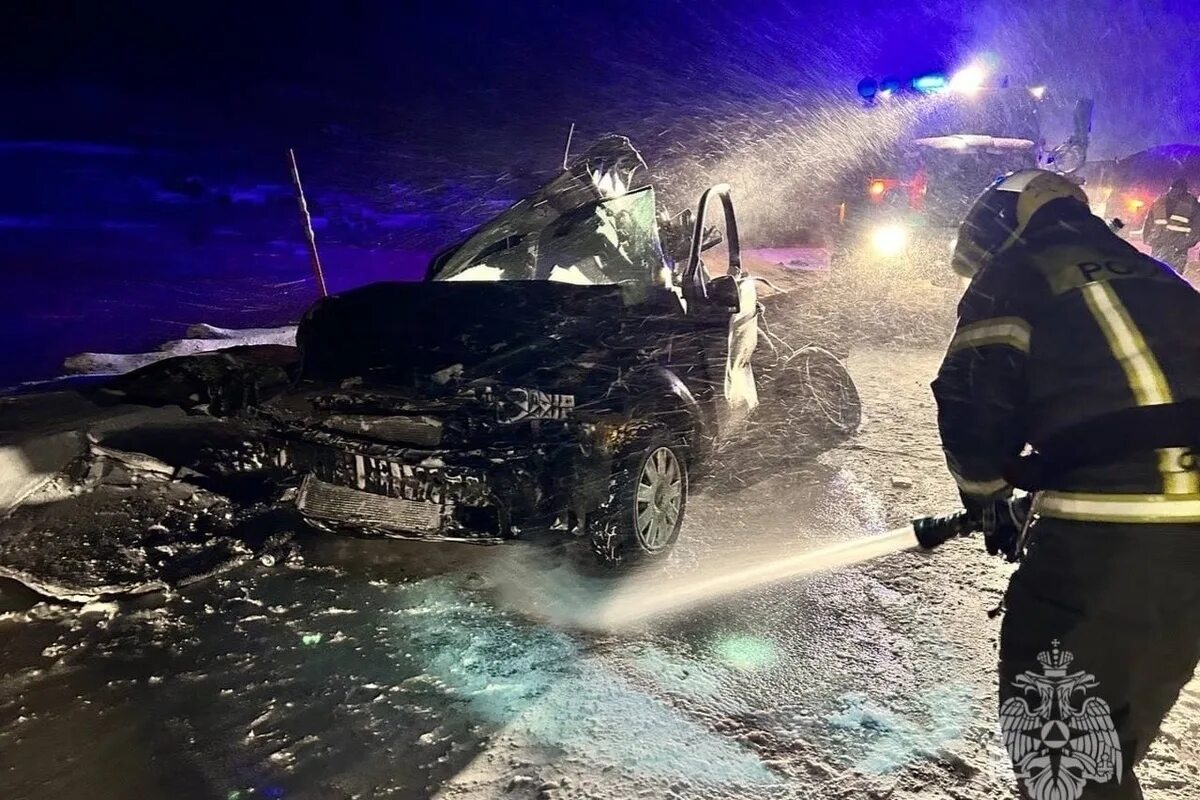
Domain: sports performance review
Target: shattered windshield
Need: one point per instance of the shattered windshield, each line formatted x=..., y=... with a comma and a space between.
x=996, y=112
x=603, y=242
x=585, y=227
x=964, y=142
x=955, y=176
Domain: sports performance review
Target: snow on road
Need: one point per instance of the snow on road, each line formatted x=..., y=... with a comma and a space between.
x=409, y=670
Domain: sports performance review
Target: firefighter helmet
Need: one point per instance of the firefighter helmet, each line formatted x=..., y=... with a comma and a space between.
x=1002, y=214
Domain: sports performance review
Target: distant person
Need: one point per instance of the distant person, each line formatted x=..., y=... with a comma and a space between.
x=1173, y=226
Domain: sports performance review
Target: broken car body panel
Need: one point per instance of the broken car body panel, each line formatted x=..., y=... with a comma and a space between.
x=491, y=397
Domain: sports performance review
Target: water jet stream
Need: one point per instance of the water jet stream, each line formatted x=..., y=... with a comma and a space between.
x=640, y=601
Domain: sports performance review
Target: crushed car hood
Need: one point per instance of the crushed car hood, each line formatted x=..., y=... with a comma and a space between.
x=430, y=334
x=573, y=269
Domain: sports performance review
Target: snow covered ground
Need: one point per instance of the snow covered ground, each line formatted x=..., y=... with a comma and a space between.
x=201, y=338
x=410, y=670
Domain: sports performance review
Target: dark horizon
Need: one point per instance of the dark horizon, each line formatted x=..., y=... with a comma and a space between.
x=143, y=144
x=207, y=74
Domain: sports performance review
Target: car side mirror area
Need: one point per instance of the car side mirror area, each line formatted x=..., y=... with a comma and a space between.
x=710, y=238
x=1116, y=225
x=724, y=291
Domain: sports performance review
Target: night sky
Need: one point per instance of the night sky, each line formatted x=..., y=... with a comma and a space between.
x=142, y=144
x=419, y=71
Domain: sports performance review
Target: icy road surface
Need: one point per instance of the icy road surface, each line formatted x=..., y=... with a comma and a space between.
x=401, y=670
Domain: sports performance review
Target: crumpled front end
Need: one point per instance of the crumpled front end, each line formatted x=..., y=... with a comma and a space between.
x=479, y=465
x=404, y=494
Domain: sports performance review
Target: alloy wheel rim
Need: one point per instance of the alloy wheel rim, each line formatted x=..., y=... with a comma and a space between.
x=659, y=499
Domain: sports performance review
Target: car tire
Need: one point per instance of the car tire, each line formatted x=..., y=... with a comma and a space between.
x=812, y=394
x=643, y=509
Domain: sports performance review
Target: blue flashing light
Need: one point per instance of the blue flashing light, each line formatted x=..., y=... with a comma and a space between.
x=933, y=82
x=867, y=88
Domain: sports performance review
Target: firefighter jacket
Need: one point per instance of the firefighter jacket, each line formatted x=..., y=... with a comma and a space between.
x=1067, y=330
x=1173, y=223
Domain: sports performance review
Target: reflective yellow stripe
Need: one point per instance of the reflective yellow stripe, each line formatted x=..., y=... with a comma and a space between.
x=1160, y=222
x=1145, y=376
x=1013, y=332
x=1147, y=508
x=1178, y=218
x=979, y=488
x=1178, y=469
x=1179, y=229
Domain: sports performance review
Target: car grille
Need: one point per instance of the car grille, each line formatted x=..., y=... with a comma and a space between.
x=325, y=501
x=424, y=431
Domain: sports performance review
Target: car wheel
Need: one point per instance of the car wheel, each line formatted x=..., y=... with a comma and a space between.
x=812, y=394
x=646, y=499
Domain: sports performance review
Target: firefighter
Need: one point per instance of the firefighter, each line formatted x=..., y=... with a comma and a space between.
x=1173, y=225
x=1074, y=372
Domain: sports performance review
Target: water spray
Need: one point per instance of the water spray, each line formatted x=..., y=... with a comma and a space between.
x=638, y=602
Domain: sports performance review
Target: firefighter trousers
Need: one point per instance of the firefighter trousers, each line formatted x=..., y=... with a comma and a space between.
x=1101, y=633
x=1174, y=257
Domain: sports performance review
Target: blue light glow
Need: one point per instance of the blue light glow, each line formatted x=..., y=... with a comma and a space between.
x=933, y=82
x=746, y=653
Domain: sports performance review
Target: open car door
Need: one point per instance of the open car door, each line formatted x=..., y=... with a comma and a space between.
x=729, y=301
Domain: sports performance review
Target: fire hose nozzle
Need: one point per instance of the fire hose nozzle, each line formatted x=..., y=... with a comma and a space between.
x=933, y=531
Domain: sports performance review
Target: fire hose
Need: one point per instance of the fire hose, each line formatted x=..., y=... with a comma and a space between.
x=936, y=530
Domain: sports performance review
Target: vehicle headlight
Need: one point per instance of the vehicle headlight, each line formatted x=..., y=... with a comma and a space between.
x=889, y=240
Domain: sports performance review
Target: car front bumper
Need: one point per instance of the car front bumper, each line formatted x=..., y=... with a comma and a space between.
x=332, y=506
x=481, y=496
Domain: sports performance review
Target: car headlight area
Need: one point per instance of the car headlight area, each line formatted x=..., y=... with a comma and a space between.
x=889, y=240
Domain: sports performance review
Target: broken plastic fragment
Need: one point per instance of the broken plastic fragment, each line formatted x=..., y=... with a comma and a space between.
x=139, y=462
x=444, y=376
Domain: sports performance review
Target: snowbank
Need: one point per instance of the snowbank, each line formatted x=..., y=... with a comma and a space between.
x=201, y=338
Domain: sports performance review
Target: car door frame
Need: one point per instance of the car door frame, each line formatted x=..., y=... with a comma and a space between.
x=737, y=338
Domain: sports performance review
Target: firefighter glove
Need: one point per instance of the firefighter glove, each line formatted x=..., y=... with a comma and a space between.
x=1002, y=523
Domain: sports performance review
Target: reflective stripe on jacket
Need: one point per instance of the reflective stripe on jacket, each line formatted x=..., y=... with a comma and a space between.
x=1173, y=222
x=1069, y=326
x=1119, y=508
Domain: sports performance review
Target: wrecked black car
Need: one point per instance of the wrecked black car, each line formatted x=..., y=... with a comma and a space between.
x=563, y=368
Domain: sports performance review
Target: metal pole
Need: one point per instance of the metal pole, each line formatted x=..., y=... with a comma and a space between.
x=567, y=151
x=306, y=221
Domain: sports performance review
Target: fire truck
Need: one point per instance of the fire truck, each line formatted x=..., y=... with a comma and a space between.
x=899, y=213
